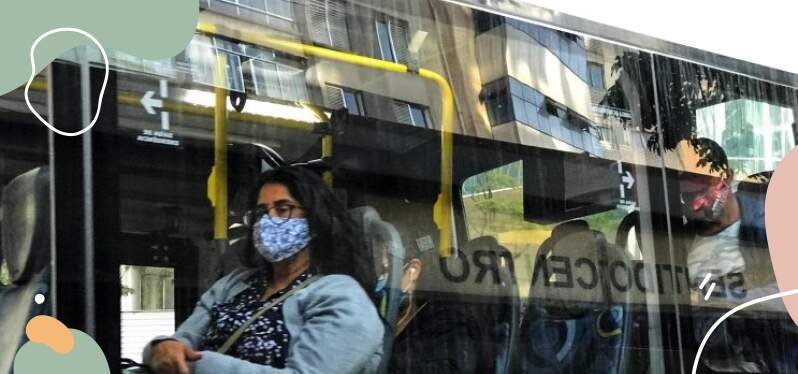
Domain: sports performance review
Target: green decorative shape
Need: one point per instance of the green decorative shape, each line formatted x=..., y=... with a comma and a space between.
x=86, y=357
x=149, y=29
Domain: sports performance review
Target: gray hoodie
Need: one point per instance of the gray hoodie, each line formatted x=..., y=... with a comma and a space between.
x=334, y=328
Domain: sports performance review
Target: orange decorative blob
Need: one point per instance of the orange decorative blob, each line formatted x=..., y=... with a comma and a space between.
x=50, y=332
x=780, y=214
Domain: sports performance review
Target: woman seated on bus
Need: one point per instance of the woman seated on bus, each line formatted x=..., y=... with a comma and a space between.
x=300, y=305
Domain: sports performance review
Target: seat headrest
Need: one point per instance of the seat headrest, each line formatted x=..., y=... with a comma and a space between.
x=569, y=227
x=491, y=245
x=560, y=231
x=26, y=224
x=573, y=270
x=374, y=228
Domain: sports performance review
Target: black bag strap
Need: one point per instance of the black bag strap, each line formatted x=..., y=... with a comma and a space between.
x=237, y=334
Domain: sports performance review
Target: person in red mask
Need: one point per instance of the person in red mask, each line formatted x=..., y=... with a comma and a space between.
x=727, y=245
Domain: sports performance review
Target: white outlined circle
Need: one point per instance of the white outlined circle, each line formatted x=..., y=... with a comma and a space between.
x=33, y=74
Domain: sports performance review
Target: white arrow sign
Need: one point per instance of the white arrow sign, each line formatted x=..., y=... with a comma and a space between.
x=150, y=103
x=628, y=179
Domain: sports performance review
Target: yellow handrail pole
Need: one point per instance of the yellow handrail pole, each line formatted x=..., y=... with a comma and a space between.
x=326, y=141
x=442, y=210
x=219, y=172
x=326, y=152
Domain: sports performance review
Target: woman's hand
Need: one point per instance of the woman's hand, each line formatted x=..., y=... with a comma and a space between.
x=171, y=357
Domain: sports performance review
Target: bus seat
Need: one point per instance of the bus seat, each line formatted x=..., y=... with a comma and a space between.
x=26, y=249
x=498, y=312
x=373, y=230
x=560, y=231
x=568, y=328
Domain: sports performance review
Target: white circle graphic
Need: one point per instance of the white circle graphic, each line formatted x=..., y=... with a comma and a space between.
x=33, y=74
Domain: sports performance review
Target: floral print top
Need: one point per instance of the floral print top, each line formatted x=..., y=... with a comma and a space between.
x=266, y=341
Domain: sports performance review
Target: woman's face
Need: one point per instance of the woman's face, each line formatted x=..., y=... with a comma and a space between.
x=277, y=196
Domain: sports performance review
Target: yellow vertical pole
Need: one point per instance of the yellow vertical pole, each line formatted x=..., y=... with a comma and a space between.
x=219, y=173
x=443, y=214
x=326, y=151
x=326, y=141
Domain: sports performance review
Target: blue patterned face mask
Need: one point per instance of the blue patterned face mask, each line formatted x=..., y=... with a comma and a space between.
x=277, y=239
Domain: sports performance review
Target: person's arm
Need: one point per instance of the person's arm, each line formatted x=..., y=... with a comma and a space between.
x=340, y=334
x=191, y=330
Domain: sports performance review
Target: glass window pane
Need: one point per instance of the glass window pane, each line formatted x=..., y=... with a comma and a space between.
x=268, y=78
x=519, y=110
x=254, y=4
x=384, y=40
x=417, y=115
x=351, y=102
x=147, y=303
x=282, y=8
x=516, y=87
x=292, y=83
x=542, y=237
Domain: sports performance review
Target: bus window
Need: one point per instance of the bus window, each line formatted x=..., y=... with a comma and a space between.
x=516, y=193
x=721, y=147
x=575, y=200
x=147, y=306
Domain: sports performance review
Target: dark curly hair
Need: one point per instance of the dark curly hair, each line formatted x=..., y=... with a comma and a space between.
x=336, y=246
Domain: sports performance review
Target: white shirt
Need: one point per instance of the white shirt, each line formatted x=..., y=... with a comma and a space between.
x=718, y=255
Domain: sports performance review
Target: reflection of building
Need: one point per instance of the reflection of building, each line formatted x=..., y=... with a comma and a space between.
x=617, y=118
x=513, y=81
x=536, y=84
x=361, y=29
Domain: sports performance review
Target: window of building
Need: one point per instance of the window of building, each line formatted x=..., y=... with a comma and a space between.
x=605, y=134
x=392, y=39
x=258, y=67
x=327, y=23
x=276, y=8
x=341, y=97
x=508, y=100
x=484, y=21
x=569, y=48
x=147, y=305
x=497, y=102
x=595, y=73
x=278, y=81
x=411, y=114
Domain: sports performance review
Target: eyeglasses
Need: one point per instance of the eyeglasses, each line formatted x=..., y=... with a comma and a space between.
x=278, y=213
